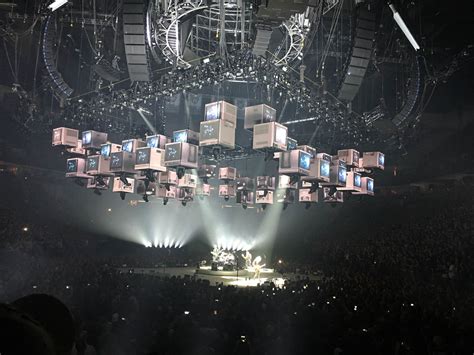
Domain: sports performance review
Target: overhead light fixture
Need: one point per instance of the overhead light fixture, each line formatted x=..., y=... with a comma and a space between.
x=57, y=4
x=398, y=19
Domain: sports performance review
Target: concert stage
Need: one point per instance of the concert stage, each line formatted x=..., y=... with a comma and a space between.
x=227, y=278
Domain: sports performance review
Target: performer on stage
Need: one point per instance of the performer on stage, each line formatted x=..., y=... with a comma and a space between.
x=257, y=267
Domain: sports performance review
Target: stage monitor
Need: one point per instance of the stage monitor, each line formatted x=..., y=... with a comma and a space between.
x=72, y=165
x=264, y=197
x=226, y=191
x=188, y=180
x=304, y=161
x=213, y=111
x=108, y=148
x=217, y=133
x=119, y=186
x=350, y=156
x=357, y=180
x=245, y=197
x=75, y=167
x=266, y=182
x=308, y=196
x=131, y=145
x=280, y=135
x=93, y=163
x=66, y=137
x=270, y=136
x=291, y=144
x=93, y=139
x=186, y=136
x=353, y=182
x=367, y=186
x=310, y=150
x=206, y=171
x=105, y=150
x=324, y=168
x=122, y=162
x=370, y=185
x=168, y=178
x=245, y=183
x=374, y=160
x=150, y=159
x=342, y=175
x=181, y=155
x=227, y=173
x=156, y=141
x=221, y=110
x=285, y=182
x=330, y=196
x=258, y=114
x=294, y=162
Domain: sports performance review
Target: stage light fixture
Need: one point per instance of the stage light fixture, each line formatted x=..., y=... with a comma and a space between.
x=398, y=19
x=57, y=4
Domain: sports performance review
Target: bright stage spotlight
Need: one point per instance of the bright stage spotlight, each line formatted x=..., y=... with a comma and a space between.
x=57, y=4
x=398, y=19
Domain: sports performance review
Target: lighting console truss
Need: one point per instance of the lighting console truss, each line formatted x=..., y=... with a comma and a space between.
x=107, y=110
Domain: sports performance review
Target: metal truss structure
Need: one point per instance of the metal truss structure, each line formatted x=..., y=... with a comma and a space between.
x=164, y=33
x=299, y=31
x=238, y=21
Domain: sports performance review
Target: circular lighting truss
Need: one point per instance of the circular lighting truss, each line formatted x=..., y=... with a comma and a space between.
x=164, y=33
x=300, y=30
x=204, y=40
x=291, y=48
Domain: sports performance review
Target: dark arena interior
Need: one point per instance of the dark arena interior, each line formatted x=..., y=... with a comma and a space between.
x=258, y=177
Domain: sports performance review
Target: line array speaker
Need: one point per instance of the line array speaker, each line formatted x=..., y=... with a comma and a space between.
x=57, y=83
x=136, y=53
x=361, y=54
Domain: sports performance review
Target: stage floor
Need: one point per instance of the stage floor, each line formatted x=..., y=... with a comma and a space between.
x=227, y=278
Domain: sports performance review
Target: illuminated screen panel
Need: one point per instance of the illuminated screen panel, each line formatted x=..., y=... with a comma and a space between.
x=116, y=160
x=209, y=131
x=342, y=175
x=180, y=137
x=280, y=135
x=92, y=163
x=143, y=156
x=86, y=137
x=152, y=142
x=213, y=112
x=305, y=160
x=105, y=150
x=370, y=185
x=324, y=168
x=56, y=135
x=173, y=152
x=357, y=180
x=381, y=159
x=72, y=166
x=355, y=156
x=127, y=146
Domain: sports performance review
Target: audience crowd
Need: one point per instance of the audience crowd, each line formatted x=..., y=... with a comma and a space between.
x=404, y=288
